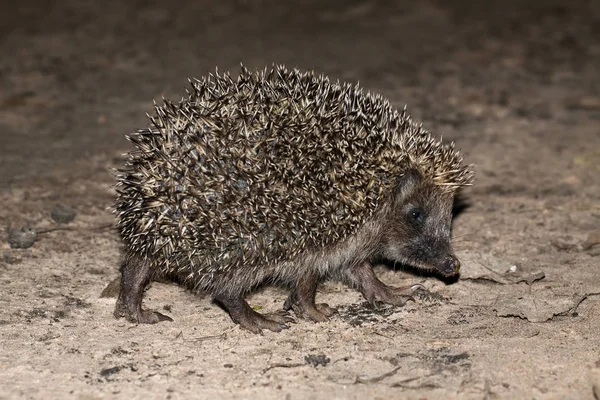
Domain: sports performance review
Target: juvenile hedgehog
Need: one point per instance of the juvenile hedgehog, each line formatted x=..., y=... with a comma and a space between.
x=283, y=177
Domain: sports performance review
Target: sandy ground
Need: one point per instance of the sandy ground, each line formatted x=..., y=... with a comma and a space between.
x=515, y=84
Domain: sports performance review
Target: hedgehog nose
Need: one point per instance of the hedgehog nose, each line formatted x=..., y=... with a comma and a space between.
x=450, y=266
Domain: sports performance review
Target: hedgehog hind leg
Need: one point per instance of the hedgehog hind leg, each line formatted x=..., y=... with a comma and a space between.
x=242, y=314
x=302, y=301
x=136, y=274
x=374, y=291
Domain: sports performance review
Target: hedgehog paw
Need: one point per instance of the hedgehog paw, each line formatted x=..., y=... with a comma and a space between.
x=397, y=296
x=141, y=316
x=243, y=315
x=313, y=312
x=302, y=302
x=256, y=322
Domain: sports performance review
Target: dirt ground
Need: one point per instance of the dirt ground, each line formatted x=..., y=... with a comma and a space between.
x=515, y=84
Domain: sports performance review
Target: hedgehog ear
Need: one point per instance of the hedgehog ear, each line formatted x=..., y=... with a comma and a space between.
x=407, y=182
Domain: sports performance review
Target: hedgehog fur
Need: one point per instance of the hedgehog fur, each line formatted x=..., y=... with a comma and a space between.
x=254, y=172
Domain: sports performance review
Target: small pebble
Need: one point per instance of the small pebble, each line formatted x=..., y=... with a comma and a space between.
x=513, y=268
x=62, y=214
x=317, y=359
x=22, y=238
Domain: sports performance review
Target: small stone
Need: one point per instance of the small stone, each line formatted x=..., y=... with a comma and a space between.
x=22, y=238
x=317, y=359
x=62, y=214
x=110, y=371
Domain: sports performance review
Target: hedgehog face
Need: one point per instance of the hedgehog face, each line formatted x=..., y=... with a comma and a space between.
x=418, y=227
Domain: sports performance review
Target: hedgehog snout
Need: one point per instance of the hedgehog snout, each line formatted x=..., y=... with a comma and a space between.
x=449, y=266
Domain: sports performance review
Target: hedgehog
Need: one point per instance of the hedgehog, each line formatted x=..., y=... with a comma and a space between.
x=281, y=176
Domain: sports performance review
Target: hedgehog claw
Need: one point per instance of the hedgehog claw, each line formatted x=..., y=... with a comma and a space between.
x=282, y=317
x=401, y=301
x=289, y=319
x=324, y=308
x=162, y=317
x=143, y=316
x=417, y=286
x=316, y=313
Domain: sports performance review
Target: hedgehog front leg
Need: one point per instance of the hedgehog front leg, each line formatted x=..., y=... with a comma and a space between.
x=241, y=313
x=302, y=301
x=363, y=278
x=135, y=275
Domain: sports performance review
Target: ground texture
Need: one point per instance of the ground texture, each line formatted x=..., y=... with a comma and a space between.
x=515, y=84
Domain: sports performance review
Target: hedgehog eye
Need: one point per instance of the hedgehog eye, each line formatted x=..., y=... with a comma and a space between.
x=416, y=214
